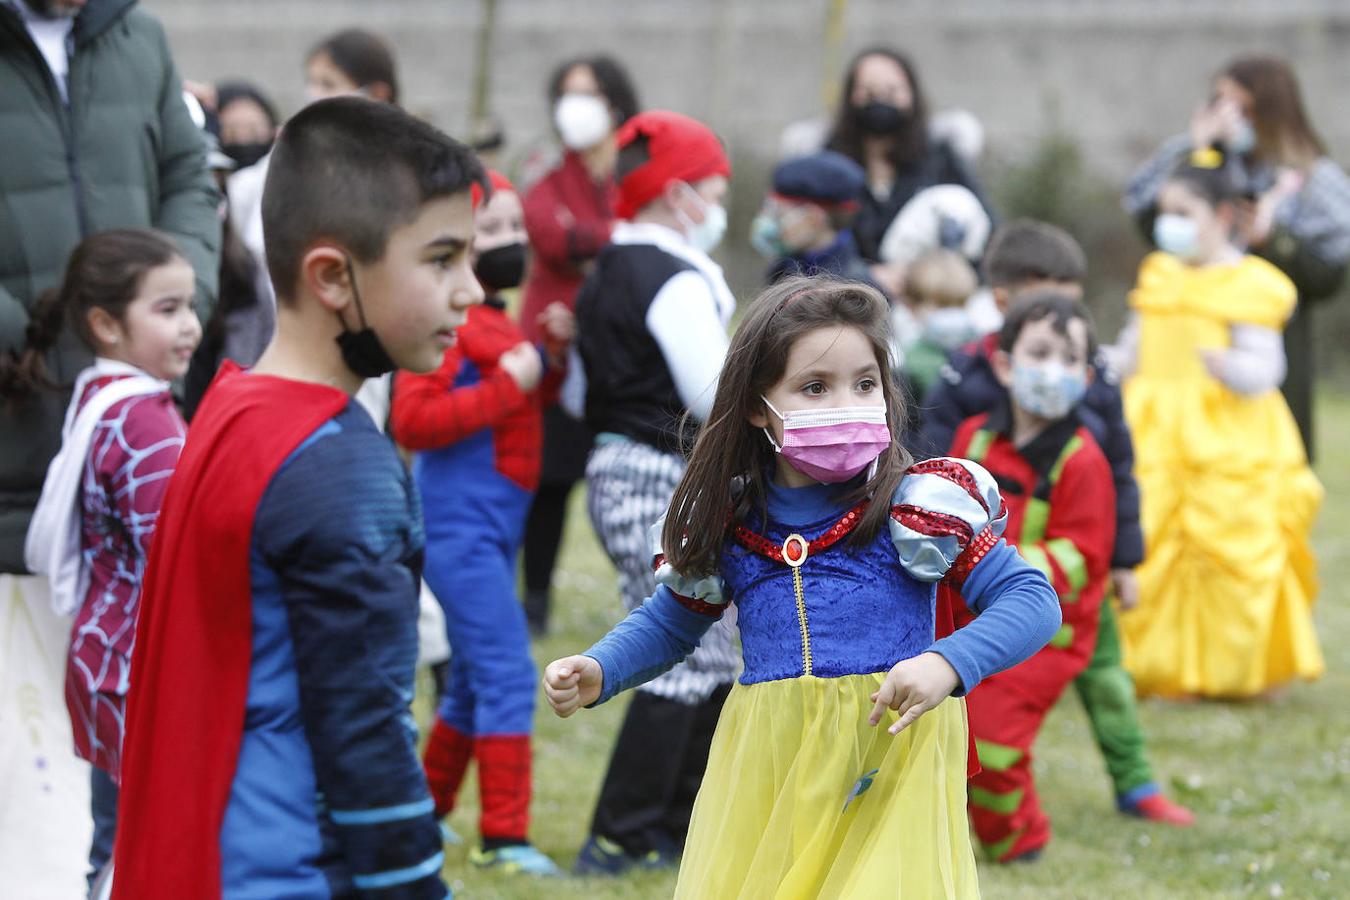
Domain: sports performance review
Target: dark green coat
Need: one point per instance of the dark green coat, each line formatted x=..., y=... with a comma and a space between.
x=124, y=153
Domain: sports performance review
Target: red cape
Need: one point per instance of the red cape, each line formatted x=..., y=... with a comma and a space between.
x=190, y=669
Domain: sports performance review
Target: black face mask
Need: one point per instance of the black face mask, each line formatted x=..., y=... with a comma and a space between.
x=501, y=267
x=361, y=350
x=877, y=117
x=246, y=155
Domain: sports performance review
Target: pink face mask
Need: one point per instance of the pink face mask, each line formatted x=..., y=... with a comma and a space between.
x=831, y=445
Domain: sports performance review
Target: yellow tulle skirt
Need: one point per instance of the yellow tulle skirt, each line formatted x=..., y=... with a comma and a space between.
x=803, y=799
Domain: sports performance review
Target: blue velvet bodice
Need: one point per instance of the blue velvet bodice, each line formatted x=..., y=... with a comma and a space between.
x=864, y=612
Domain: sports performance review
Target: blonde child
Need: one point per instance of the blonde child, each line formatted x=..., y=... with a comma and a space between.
x=1227, y=589
x=937, y=286
x=127, y=294
x=800, y=506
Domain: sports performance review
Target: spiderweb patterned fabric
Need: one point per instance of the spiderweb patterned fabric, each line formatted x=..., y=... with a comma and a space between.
x=133, y=453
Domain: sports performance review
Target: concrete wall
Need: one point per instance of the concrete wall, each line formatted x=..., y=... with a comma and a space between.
x=1117, y=74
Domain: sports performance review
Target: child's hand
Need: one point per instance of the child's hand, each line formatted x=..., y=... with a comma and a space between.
x=1126, y=587
x=523, y=364
x=571, y=683
x=557, y=323
x=913, y=687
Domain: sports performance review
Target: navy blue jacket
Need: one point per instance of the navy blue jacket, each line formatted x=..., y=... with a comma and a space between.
x=969, y=387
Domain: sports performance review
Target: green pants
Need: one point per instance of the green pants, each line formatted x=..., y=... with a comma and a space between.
x=1107, y=692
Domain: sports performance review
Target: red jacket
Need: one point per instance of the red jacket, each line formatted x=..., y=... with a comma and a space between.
x=1061, y=501
x=470, y=393
x=568, y=217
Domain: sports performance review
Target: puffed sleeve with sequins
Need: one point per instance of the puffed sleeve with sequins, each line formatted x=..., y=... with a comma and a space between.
x=704, y=594
x=947, y=514
x=662, y=631
x=947, y=521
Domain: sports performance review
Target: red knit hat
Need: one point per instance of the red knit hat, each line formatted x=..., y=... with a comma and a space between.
x=499, y=183
x=679, y=149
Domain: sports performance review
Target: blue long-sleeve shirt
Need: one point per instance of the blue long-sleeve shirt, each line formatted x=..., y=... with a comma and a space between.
x=329, y=799
x=1017, y=613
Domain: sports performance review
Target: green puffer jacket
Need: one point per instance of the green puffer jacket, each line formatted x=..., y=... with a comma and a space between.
x=123, y=153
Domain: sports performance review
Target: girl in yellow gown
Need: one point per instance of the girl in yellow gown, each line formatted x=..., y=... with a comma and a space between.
x=830, y=549
x=1226, y=591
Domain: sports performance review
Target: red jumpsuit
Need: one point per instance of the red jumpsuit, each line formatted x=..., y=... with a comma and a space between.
x=1061, y=515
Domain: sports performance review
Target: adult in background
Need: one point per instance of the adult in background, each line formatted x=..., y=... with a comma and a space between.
x=95, y=137
x=247, y=121
x=1296, y=207
x=569, y=214
x=351, y=61
x=882, y=124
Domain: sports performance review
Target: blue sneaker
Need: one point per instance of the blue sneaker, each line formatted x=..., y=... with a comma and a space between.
x=601, y=856
x=518, y=859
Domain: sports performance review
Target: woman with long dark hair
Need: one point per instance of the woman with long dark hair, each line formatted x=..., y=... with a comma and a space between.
x=1296, y=207
x=883, y=125
x=568, y=214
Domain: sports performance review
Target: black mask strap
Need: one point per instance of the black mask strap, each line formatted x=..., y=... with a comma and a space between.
x=361, y=350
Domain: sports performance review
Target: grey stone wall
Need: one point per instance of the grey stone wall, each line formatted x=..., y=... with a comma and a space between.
x=1119, y=75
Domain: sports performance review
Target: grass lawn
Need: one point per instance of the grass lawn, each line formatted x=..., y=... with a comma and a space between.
x=1269, y=781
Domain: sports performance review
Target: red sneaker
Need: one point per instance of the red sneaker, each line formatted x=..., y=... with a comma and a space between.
x=1158, y=808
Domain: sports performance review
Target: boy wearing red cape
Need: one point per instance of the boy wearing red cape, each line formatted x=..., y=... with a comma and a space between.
x=269, y=749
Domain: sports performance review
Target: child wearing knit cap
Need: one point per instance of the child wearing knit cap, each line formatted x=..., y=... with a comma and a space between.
x=651, y=339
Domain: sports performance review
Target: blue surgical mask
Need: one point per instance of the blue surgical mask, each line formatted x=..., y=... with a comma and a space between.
x=949, y=327
x=1177, y=235
x=1047, y=390
x=766, y=236
x=1243, y=139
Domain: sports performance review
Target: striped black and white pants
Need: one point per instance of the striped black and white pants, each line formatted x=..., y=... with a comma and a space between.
x=629, y=487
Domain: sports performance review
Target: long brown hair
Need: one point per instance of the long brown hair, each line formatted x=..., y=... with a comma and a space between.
x=907, y=146
x=105, y=272
x=1284, y=136
x=730, y=452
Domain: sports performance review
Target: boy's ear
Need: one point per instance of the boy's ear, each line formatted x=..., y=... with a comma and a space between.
x=324, y=273
x=1001, y=362
x=378, y=90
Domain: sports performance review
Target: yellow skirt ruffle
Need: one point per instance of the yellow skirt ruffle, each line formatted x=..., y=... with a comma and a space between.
x=803, y=799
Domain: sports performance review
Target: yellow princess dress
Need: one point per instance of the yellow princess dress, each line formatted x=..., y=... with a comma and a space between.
x=802, y=798
x=1228, y=499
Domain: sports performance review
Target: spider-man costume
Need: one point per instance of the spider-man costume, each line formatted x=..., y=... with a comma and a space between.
x=478, y=438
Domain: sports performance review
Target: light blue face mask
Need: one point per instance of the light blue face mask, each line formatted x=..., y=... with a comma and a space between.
x=949, y=327
x=1177, y=235
x=1048, y=391
x=766, y=236
x=1243, y=140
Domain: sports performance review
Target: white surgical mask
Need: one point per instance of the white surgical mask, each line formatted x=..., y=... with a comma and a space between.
x=582, y=120
x=705, y=235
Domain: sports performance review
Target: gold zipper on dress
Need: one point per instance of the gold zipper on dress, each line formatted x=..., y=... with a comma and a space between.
x=794, y=554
